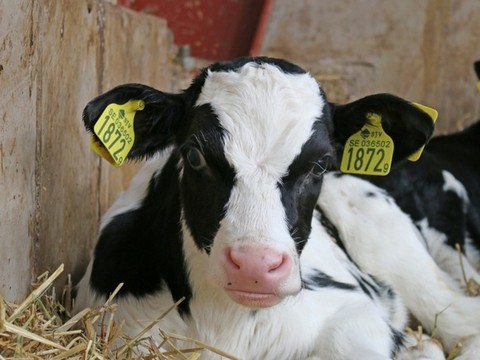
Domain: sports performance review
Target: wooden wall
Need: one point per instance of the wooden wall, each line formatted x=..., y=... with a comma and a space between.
x=420, y=50
x=54, y=57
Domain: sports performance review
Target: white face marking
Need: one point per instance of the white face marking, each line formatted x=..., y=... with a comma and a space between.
x=268, y=116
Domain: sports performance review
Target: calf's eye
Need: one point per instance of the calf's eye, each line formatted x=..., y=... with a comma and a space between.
x=195, y=159
x=321, y=166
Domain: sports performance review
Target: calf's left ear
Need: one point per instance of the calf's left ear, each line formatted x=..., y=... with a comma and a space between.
x=409, y=127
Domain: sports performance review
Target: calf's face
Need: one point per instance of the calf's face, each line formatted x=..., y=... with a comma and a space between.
x=254, y=137
x=271, y=143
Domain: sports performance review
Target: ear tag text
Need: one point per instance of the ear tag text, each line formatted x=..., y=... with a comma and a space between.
x=115, y=132
x=433, y=115
x=368, y=151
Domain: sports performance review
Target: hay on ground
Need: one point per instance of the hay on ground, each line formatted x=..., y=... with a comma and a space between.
x=40, y=328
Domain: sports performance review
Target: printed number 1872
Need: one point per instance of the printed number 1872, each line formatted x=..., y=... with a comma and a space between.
x=111, y=136
x=368, y=160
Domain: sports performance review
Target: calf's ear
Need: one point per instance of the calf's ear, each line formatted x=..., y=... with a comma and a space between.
x=409, y=127
x=476, y=67
x=154, y=126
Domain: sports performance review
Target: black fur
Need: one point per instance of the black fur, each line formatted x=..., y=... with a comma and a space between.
x=322, y=280
x=300, y=188
x=142, y=248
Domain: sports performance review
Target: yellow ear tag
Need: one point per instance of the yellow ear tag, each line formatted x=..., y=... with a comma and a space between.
x=478, y=86
x=368, y=151
x=433, y=115
x=114, y=129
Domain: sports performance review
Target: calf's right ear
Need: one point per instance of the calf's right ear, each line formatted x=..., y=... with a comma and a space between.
x=154, y=126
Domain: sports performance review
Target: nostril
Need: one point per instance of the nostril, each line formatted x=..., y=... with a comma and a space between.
x=274, y=262
x=278, y=263
x=234, y=259
x=255, y=260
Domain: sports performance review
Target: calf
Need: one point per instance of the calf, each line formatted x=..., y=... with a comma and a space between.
x=441, y=192
x=227, y=215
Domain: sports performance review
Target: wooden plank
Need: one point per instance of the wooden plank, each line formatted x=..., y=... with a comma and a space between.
x=67, y=74
x=115, y=46
x=54, y=57
x=17, y=148
x=461, y=48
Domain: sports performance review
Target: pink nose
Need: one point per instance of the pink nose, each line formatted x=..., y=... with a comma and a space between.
x=256, y=269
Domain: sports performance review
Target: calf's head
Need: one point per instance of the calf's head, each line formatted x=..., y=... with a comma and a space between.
x=254, y=137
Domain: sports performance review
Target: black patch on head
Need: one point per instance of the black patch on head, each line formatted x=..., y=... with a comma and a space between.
x=300, y=188
x=205, y=190
x=370, y=194
x=322, y=280
x=143, y=247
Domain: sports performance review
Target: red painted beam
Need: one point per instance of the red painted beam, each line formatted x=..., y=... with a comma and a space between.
x=214, y=29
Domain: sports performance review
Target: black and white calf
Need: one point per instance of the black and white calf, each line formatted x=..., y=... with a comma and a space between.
x=227, y=214
x=441, y=192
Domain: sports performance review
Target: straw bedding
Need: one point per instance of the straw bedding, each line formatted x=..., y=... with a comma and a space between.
x=41, y=328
